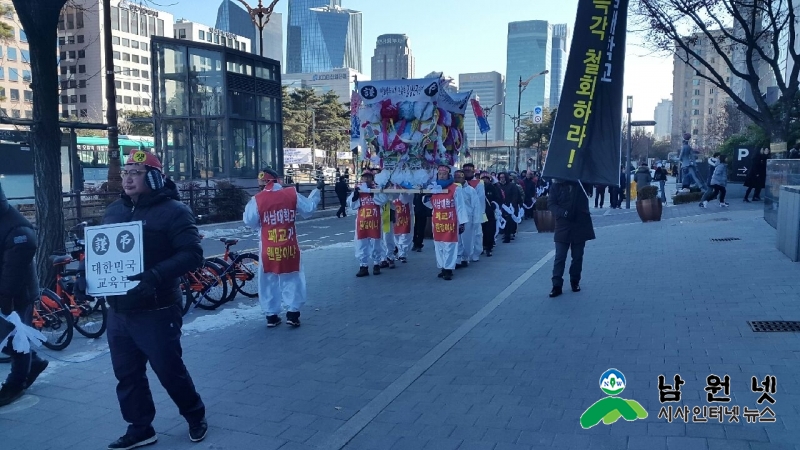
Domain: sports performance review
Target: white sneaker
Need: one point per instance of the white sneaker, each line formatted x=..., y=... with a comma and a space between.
x=685, y=191
x=723, y=205
x=703, y=204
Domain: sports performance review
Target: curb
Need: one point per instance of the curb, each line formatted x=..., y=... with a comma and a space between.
x=318, y=214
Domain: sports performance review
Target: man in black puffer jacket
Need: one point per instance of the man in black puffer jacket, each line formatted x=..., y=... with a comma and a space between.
x=19, y=287
x=145, y=324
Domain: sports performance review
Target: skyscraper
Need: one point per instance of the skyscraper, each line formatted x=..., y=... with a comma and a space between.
x=234, y=19
x=529, y=53
x=558, y=63
x=393, y=58
x=322, y=36
x=663, y=117
x=487, y=87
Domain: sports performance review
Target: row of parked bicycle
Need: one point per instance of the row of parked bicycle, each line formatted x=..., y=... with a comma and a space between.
x=60, y=311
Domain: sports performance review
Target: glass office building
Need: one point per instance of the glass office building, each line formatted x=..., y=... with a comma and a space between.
x=528, y=53
x=558, y=63
x=322, y=36
x=217, y=111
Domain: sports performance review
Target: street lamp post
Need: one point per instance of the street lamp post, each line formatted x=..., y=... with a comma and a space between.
x=628, y=157
x=260, y=16
x=522, y=86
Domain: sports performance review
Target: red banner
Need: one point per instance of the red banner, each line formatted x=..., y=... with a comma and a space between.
x=279, y=250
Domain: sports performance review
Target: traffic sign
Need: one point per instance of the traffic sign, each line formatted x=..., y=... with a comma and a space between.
x=538, y=113
x=537, y=119
x=741, y=164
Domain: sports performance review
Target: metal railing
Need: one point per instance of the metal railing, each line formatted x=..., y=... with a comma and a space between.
x=214, y=204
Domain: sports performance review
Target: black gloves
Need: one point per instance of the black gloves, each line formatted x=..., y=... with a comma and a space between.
x=461, y=228
x=147, y=285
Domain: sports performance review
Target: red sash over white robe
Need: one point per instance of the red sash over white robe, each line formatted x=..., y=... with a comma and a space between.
x=444, y=218
x=368, y=221
x=402, y=224
x=280, y=252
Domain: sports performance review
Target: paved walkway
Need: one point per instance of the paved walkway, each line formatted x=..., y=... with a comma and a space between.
x=487, y=361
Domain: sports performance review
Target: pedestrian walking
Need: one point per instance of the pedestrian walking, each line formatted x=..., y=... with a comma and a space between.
x=719, y=181
x=510, y=197
x=19, y=287
x=281, y=278
x=465, y=238
x=642, y=176
x=660, y=176
x=599, y=194
x=144, y=326
x=689, y=168
x=367, y=206
x=479, y=217
x=449, y=216
x=421, y=215
x=489, y=227
x=569, y=203
x=757, y=175
x=342, y=189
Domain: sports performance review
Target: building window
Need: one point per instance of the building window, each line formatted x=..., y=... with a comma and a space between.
x=146, y=102
x=124, y=20
x=142, y=25
x=145, y=60
x=216, y=39
x=126, y=71
x=134, y=44
x=3, y=112
x=73, y=84
x=79, y=19
x=182, y=33
x=72, y=54
x=115, y=40
x=73, y=99
x=137, y=101
x=134, y=23
x=11, y=54
x=73, y=113
x=127, y=100
x=70, y=21
x=14, y=95
x=26, y=56
x=126, y=85
x=159, y=28
x=119, y=99
x=202, y=35
x=62, y=40
x=117, y=55
x=70, y=39
x=84, y=113
x=208, y=37
x=82, y=98
x=62, y=55
x=81, y=53
x=28, y=114
x=81, y=69
x=126, y=42
x=80, y=39
x=73, y=69
x=15, y=113
x=63, y=70
x=137, y=86
x=244, y=47
x=144, y=46
x=145, y=88
x=13, y=74
x=82, y=84
x=151, y=24
x=2, y=73
x=695, y=102
x=236, y=45
x=135, y=72
x=26, y=76
x=710, y=111
x=695, y=82
x=118, y=84
x=61, y=25
x=126, y=56
x=145, y=74
x=695, y=112
x=65, y=113
x=22, y=36
x=135, y=58
x=697, y=92
x=711, y=91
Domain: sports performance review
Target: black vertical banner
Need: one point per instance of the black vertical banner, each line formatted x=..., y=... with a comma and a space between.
x=585, y=144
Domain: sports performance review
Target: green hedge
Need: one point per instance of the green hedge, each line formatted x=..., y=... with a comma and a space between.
x=690, y=197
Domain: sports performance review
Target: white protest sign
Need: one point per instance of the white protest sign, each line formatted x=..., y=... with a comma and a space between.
x=113, y=253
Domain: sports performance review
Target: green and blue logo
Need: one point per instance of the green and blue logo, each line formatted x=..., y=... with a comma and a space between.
x=608, y=410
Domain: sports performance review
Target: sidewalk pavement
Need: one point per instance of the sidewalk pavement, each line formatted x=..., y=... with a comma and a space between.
x=486, y=361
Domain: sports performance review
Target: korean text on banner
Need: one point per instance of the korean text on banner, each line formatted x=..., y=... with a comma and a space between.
x=113, y=253
x=586, y=140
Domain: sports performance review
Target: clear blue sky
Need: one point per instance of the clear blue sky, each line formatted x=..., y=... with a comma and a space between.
x=460, y=36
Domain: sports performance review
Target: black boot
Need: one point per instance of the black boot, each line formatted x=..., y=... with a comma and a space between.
x=363, y=271
x=441, y=274
x=376, y=269
x=576, y=286
x=555, y=292
x=448, y=274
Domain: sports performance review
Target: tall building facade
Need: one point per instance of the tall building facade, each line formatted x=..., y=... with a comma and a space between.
x=529, y=52
x=231, y=17
x=340, y=81
x=558, y=63
x=197, y=32
x=16, y=97
x=663, y=117
x=81, y=56
x=487, y=88
x=696, y=103
x=392, y=59
x=321, y=36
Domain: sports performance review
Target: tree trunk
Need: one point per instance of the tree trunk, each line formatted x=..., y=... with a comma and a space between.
x=39, y=18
